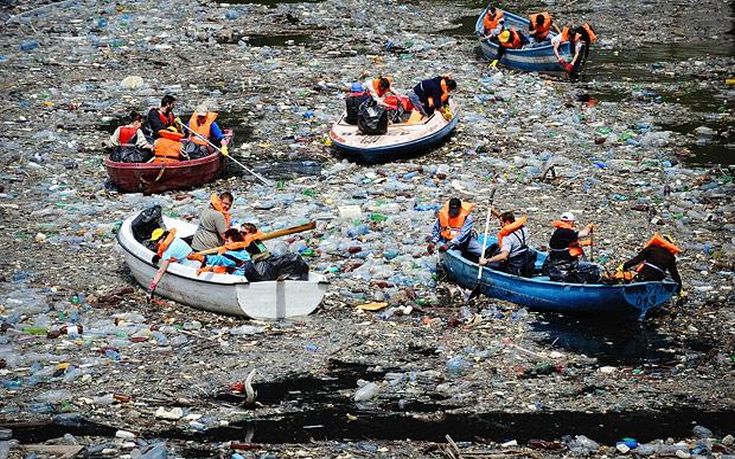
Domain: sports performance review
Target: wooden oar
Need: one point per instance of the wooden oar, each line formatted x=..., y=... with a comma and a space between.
x=157, y=278
x=592, y=244
x=265, y=237
x=476, y=291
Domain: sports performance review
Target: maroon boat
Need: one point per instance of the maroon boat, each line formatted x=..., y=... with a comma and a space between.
x=151, y=178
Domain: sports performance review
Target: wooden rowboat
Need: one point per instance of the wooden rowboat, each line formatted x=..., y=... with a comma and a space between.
x=540, y=294
x=221, y=293
x=151, y=178
x=401, y=139
x=538, y=59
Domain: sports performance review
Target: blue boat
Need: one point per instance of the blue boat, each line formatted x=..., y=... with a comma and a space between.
x=401, y=140
x=633, y=300
x=538, y=59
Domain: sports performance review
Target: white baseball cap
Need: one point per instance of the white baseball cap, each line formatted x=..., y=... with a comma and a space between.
x=568, y=217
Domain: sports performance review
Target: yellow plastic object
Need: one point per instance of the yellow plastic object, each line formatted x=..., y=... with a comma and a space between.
x=377, y=306
x=225, y=151
x=448, y=115
x=415, y=117
x=730, y=82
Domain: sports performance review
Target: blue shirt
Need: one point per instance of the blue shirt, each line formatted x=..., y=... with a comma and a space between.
x=179, y=250
x=234, y=259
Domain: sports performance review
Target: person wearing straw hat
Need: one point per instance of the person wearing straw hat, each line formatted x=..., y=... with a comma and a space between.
x=203, y=127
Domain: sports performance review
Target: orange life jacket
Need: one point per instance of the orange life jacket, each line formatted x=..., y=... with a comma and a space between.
x=575, y=249
x=508, y=229
x=542, y=31
x=217, y=205
x=166, y=119
x=212, y=269
x=167, y=148
x=514, y=41
x=126, y=134
x=490, y=22
x=658, y=241
x=248, y=239
x=202, y=129
x=590, y=31
x=166, y=134
x=376, y=87
x=564, y=34
x=163, y=245
x=451, y=226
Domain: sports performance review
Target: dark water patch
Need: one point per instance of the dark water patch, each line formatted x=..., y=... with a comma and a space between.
x=610, y=342
x=311, y=390
x=277, y=40
x=239, y=123
x=289, y=169
x=463, y=27
x=718, y=148
x=39, y=432
x=333, y=423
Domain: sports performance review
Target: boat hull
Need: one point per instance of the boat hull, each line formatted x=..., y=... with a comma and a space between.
x=159, y=177
x=538, y=59
x=539, y=294
x=221, y=293
x=402, y=140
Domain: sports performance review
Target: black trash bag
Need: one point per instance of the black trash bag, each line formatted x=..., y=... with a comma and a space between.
x=352, y=103
x=372, y=118
x=261, y=270
x=146, y=221
x=191, y=150
x=130, y=154
x=290, y=266
x=573, y=272
x=285, y=267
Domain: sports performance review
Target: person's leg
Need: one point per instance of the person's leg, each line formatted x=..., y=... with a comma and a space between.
x=416, y=102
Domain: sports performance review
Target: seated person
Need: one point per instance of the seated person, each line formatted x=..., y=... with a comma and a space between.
x=453, y=229
x=169, y=247
x=128, y=142
x=513, y=255
x=539, y=27
x=234, y=261
x=203, y=130
x=214, y=220
x=565, y=250
x=657, y=257
x=493, y=23
x=161, y=119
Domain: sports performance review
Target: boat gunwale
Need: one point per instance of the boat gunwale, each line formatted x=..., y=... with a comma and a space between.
x=157, y=166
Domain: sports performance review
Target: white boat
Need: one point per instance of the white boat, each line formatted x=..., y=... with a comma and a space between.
x=221, y=293
x=401, y=139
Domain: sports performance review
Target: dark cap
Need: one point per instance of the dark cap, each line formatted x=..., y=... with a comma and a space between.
x=455, y=203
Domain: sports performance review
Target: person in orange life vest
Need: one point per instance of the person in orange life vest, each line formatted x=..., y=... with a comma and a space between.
x=539, y=26
x=512, y=252
x=433, y=94
x=379, y=88
x=213, y=222
x=453, y=230
x=565, y=251
x=580, y=40
x=168, y=247
x=131, y=134
x=493, y=23
x=203, y=122
x=235, y=261
x=162, y=118
x=657, y=257
x=508, y=39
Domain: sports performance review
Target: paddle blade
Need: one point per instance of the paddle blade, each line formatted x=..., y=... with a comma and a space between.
x=474, y=293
